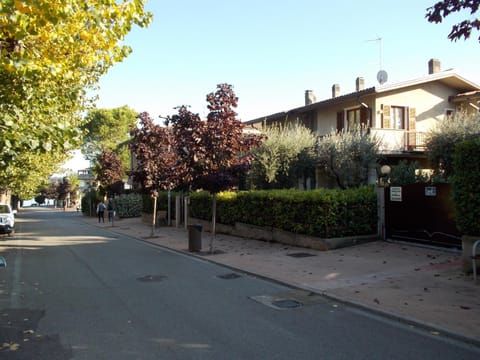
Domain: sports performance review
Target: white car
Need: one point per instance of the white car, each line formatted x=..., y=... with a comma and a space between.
x=7, y=219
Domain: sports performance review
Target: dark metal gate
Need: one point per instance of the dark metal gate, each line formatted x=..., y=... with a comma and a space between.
x=421, y=213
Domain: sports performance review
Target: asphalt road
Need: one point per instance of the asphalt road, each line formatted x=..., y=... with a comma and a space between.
x=73, y=291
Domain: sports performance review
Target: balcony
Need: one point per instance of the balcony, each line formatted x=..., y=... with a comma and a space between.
x=399, y=141
x=85, y=174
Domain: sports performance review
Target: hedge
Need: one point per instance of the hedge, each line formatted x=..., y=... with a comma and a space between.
x=466, y=186
x=323, y=213
x=128, y=205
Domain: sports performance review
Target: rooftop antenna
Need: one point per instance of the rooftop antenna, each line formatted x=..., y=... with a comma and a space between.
x=382, y=75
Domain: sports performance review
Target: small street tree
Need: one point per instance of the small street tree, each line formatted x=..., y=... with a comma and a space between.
x=212, y=150
x=64, y=190
x=110, y=172
x=51, y=192
x=188, y=131
x=347, y=155
x=157, y=165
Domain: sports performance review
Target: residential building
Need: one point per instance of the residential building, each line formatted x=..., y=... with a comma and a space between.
x=86, y=178
x=399, y=114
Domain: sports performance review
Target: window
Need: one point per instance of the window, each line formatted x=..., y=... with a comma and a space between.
x=357, y=116
x=398, y=117
x=353, y=118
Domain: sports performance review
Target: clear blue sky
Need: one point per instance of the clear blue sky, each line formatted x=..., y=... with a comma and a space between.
x=272, y=51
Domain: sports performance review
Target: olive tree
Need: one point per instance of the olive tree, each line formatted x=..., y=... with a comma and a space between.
x=285, y=156
x=347, y=155
x=441, y=140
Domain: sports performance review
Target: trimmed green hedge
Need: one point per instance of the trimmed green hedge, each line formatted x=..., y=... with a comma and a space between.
x=466, y=186
x=323, y=213
x=128, y=205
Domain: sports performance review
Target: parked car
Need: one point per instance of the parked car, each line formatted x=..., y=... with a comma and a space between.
x=7, y=219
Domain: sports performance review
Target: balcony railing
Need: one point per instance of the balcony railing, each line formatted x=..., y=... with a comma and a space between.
x=393, y=140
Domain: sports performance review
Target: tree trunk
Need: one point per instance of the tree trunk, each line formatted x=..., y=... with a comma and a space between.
x=154, y=217
x=214, y=221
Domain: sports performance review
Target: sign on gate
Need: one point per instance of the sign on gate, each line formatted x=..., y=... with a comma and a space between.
x=396, y=193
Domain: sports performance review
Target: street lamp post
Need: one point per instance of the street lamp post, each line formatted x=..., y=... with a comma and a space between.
x=382, y=183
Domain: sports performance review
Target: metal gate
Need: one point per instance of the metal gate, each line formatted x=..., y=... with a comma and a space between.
x=421, y=213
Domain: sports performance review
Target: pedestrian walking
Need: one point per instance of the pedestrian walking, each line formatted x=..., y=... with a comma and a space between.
x=101, y=211
x=110, y=210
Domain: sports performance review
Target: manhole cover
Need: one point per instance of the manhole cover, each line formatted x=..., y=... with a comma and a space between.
x=286, y=304
x=300, y=255
x=151, y=278
x=291, y=299
x=229, y=276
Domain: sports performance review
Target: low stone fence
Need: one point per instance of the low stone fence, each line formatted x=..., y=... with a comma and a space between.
x=283, y=237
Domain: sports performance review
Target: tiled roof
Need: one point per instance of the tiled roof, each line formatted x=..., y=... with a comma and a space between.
x=447, y=77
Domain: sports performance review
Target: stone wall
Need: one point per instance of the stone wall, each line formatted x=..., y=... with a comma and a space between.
x=283, y=237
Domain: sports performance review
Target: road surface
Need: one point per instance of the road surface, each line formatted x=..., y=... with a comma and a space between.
x=73, y=291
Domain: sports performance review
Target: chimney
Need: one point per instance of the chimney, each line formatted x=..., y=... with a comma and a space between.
x=309, y=97
x=360, y=83
x=433, y=66
x=335, y=90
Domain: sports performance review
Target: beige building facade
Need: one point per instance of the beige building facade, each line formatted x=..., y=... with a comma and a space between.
x=399, y=114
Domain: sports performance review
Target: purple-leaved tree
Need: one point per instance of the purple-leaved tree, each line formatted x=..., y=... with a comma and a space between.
x=212, y=152
x=157, y=164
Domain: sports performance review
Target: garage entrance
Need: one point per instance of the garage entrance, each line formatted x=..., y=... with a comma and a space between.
x=421, y=213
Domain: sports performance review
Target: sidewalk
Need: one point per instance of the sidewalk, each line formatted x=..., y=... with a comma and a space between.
x=424, y=287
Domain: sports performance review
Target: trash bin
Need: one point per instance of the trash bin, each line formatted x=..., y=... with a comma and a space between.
x=194, y=237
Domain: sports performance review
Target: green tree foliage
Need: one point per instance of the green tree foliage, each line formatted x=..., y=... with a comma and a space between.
x=347, y=155
x=442, y=9
x=74, y=181
x=51, y=52
x=405, y=173
x=440, y=141
x=466, y=186
x=31, y=172
x=287, y=154
x=108, y=130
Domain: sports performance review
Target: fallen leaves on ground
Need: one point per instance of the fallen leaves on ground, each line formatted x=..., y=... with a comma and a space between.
x=10, y=346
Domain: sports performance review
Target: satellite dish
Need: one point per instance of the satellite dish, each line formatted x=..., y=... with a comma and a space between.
x=382, y=77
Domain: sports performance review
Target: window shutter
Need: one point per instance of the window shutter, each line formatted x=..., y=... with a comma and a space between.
x=412, y=119
x=340, y=121
x=412, y=134
x=386, y=119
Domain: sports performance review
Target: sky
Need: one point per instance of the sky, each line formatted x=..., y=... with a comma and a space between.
x=272, y=51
